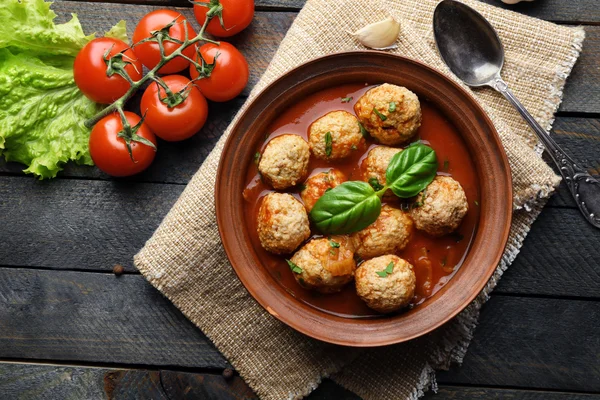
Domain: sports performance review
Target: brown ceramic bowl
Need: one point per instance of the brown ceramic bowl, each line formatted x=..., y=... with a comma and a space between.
x=488, y=156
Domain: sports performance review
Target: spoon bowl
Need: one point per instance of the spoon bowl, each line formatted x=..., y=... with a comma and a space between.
x=467, y=43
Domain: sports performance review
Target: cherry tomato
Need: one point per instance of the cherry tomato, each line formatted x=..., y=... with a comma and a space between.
x=229, y=75
x=237, y=15
x=90, y=69
x=109, y=151
x=149, y=52
x=181, y=121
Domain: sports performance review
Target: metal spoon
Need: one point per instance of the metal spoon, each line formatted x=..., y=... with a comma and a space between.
x=472, y=50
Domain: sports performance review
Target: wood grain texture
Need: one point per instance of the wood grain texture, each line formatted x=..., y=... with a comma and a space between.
x=53, y=315
x=580, y=138
x=38, y=381
x=533, y=342
x=469, y=393
x=559, y=258
x=78, y=224
x=582, y=91
x=580, y=12
x=58, y=315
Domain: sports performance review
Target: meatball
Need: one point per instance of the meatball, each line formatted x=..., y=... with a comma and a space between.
x=376, y=163
x=318, y=184
x=382, y=290
x=327, y=264
x=282, y=223
x=390, y=233
x=391, y=114
x=440, y=208
x=335, y=135
x=284, y=162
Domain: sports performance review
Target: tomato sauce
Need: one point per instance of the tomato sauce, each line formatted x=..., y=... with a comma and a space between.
x=435, y=260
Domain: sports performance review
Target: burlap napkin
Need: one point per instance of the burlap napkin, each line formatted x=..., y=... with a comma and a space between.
x=184, y=259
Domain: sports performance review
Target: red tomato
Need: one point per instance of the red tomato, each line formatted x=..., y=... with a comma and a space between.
x=229, y=76
x=109, y=151
x=237, y=15
x=179, y=122
x=149, y=52
x=90, y=68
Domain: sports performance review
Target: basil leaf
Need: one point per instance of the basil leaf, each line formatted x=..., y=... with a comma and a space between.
x=411, y=170
x=347, y=208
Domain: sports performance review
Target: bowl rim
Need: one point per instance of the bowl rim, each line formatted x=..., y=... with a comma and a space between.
x=291, y=322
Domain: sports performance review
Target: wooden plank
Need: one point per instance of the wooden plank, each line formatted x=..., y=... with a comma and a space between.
x=93, y=225
x=580, y=138
x=39, y=381
x=559, y=258
x=78, y=224
x=582, y=91
x=573, y=12
x=51, y=315
x=86, y=317
x=581, y=11
x=475, y=393
x=533, y=342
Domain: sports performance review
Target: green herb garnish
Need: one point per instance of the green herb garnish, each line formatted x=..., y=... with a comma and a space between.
x=328, y=143
x=374, y=182
x=347, y=99
x=256, y=157
x=296, y=269
x=392, y=107
x=334, y=244
x=353, y=147
x=363, y=131
x=387, y=271
x=380, y=115
x=354, y=205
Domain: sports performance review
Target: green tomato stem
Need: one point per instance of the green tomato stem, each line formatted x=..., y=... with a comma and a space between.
x=153, y=73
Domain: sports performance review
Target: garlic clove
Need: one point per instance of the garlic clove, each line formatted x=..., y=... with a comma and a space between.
x=379, y=35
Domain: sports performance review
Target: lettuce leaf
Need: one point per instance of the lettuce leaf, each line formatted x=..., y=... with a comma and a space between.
x=28, y=25
x=42, y=113
x=119, y=31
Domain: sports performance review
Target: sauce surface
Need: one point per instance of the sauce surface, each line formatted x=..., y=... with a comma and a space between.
x=435, y=260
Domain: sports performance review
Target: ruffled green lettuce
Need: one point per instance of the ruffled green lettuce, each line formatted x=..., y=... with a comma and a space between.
x=42, y=112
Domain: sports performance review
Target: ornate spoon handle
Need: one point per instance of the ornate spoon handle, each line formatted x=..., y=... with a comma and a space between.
x=584, y=187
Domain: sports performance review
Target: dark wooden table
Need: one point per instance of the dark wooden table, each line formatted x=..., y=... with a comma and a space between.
x=70, y=328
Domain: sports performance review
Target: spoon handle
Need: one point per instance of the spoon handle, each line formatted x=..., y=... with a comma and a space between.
x=584, y=187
